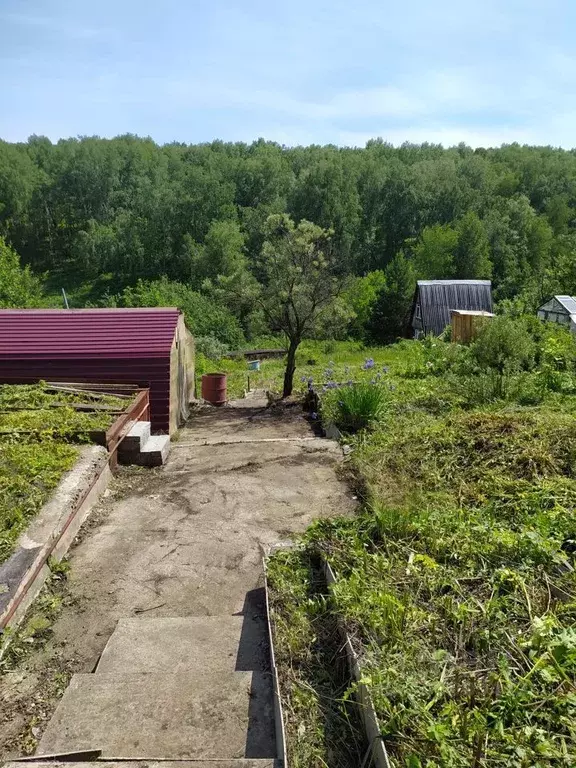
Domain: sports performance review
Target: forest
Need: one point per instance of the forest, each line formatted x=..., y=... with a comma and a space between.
x=126, y=222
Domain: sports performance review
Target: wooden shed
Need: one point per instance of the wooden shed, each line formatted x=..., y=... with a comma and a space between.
x=434, y=301
x=466, y=323
x=149, y=347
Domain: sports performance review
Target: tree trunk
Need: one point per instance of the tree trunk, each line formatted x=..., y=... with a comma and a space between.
x=290, y=368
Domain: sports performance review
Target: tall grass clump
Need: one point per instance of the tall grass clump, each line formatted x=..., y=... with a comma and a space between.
x=356, y=406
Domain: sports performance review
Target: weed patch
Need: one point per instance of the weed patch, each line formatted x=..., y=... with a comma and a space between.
x=39, y=434
x=322, y=729
x=457, y=582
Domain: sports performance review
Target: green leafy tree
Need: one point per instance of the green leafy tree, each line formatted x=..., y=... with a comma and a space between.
x=300, y=283
x=434, y=252
x=18, y=286
x=361, y=296
x=391, y=313
x=472, y=254
x=203, y=316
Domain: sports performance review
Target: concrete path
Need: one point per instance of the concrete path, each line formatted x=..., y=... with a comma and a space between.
x=171, y=586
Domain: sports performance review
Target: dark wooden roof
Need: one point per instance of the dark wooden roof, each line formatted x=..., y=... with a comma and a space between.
x=438, y=297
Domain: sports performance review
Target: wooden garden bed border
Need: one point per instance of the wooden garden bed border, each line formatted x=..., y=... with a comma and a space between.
x=363, y=698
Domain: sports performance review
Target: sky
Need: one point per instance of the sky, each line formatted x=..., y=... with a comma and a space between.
x=298, y=72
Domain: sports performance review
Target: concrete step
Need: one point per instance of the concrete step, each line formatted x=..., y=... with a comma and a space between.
x=241, y=763
x=136, y=438
x=155, y=451
x=154, y=716
x=179, y=646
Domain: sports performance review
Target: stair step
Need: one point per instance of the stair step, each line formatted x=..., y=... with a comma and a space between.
x=178, y=646
x=154, y=716
x=240, y=763
x=155, y=452
x=136, y=438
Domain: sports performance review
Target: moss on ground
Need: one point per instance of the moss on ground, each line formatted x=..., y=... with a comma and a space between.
x=40, y=432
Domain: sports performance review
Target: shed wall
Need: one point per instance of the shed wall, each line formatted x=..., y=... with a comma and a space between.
x=181, y=375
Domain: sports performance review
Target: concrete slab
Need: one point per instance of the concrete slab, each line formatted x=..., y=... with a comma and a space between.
x=154, y=716
x=183, y=540
x=155, y=451
x=210, y=644
x=136, y=438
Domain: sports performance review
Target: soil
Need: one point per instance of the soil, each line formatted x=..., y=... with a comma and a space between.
x=185, y=539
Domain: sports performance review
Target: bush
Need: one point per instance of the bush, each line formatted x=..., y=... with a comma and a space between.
x=356, y=407
x=433, y=356
x=504, y=345
x=211, y=347
x=203, y=316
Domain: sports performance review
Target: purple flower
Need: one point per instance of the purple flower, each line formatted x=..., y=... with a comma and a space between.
x=328, y=373
x=314, y=415
x=385, y=369
x=368, y=364
x=303, y=378
x=332, y=385
x=350, y=383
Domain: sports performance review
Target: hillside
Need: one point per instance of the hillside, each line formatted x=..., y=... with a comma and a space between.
x=97, y=216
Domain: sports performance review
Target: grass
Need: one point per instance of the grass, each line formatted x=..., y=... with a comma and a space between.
x=39, y=436
x=321, y=726
x=457, y=579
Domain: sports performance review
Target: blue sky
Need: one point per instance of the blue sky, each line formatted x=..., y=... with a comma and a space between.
x=322, y=71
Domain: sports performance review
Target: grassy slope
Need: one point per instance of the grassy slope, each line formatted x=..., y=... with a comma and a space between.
x=38, y=444
x=456, y=580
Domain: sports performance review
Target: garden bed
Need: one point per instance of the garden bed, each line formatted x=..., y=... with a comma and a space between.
x=41, y=430
x=319, y=727
x=456, y=584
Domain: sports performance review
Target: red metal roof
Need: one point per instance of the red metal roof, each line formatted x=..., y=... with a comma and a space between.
x=27, y=334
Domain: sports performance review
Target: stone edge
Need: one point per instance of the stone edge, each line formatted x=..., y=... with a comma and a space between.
x=51, y=533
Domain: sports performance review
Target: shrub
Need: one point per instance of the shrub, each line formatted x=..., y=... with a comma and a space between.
x=504, y=345
x=356, y=406
x=211, y=347
x=203, y=316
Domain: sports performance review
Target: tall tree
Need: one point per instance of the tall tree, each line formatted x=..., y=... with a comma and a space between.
x=391, y=311
x=300, y=282
x=434, y=252
x=18, y=286
x=472, y=255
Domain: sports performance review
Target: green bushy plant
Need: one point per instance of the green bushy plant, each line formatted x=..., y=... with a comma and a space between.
x=357, y=406
x=504, y=345
x=211, y=347
x=203, y=316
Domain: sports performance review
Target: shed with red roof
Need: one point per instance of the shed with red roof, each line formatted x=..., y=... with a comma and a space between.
x=150, y=347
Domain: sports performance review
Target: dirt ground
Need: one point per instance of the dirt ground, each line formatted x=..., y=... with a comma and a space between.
x=183, y=540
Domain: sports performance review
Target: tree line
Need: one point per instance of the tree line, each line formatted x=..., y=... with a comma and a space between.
x=126, y=221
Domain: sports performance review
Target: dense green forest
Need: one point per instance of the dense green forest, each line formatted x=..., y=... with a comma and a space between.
x=127, y=222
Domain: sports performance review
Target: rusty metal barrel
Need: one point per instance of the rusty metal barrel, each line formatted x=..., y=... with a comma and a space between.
x=214, y=388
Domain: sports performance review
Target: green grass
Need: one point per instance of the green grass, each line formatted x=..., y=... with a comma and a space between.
x=457, y=578
x=322, y=728
x=38, y=443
